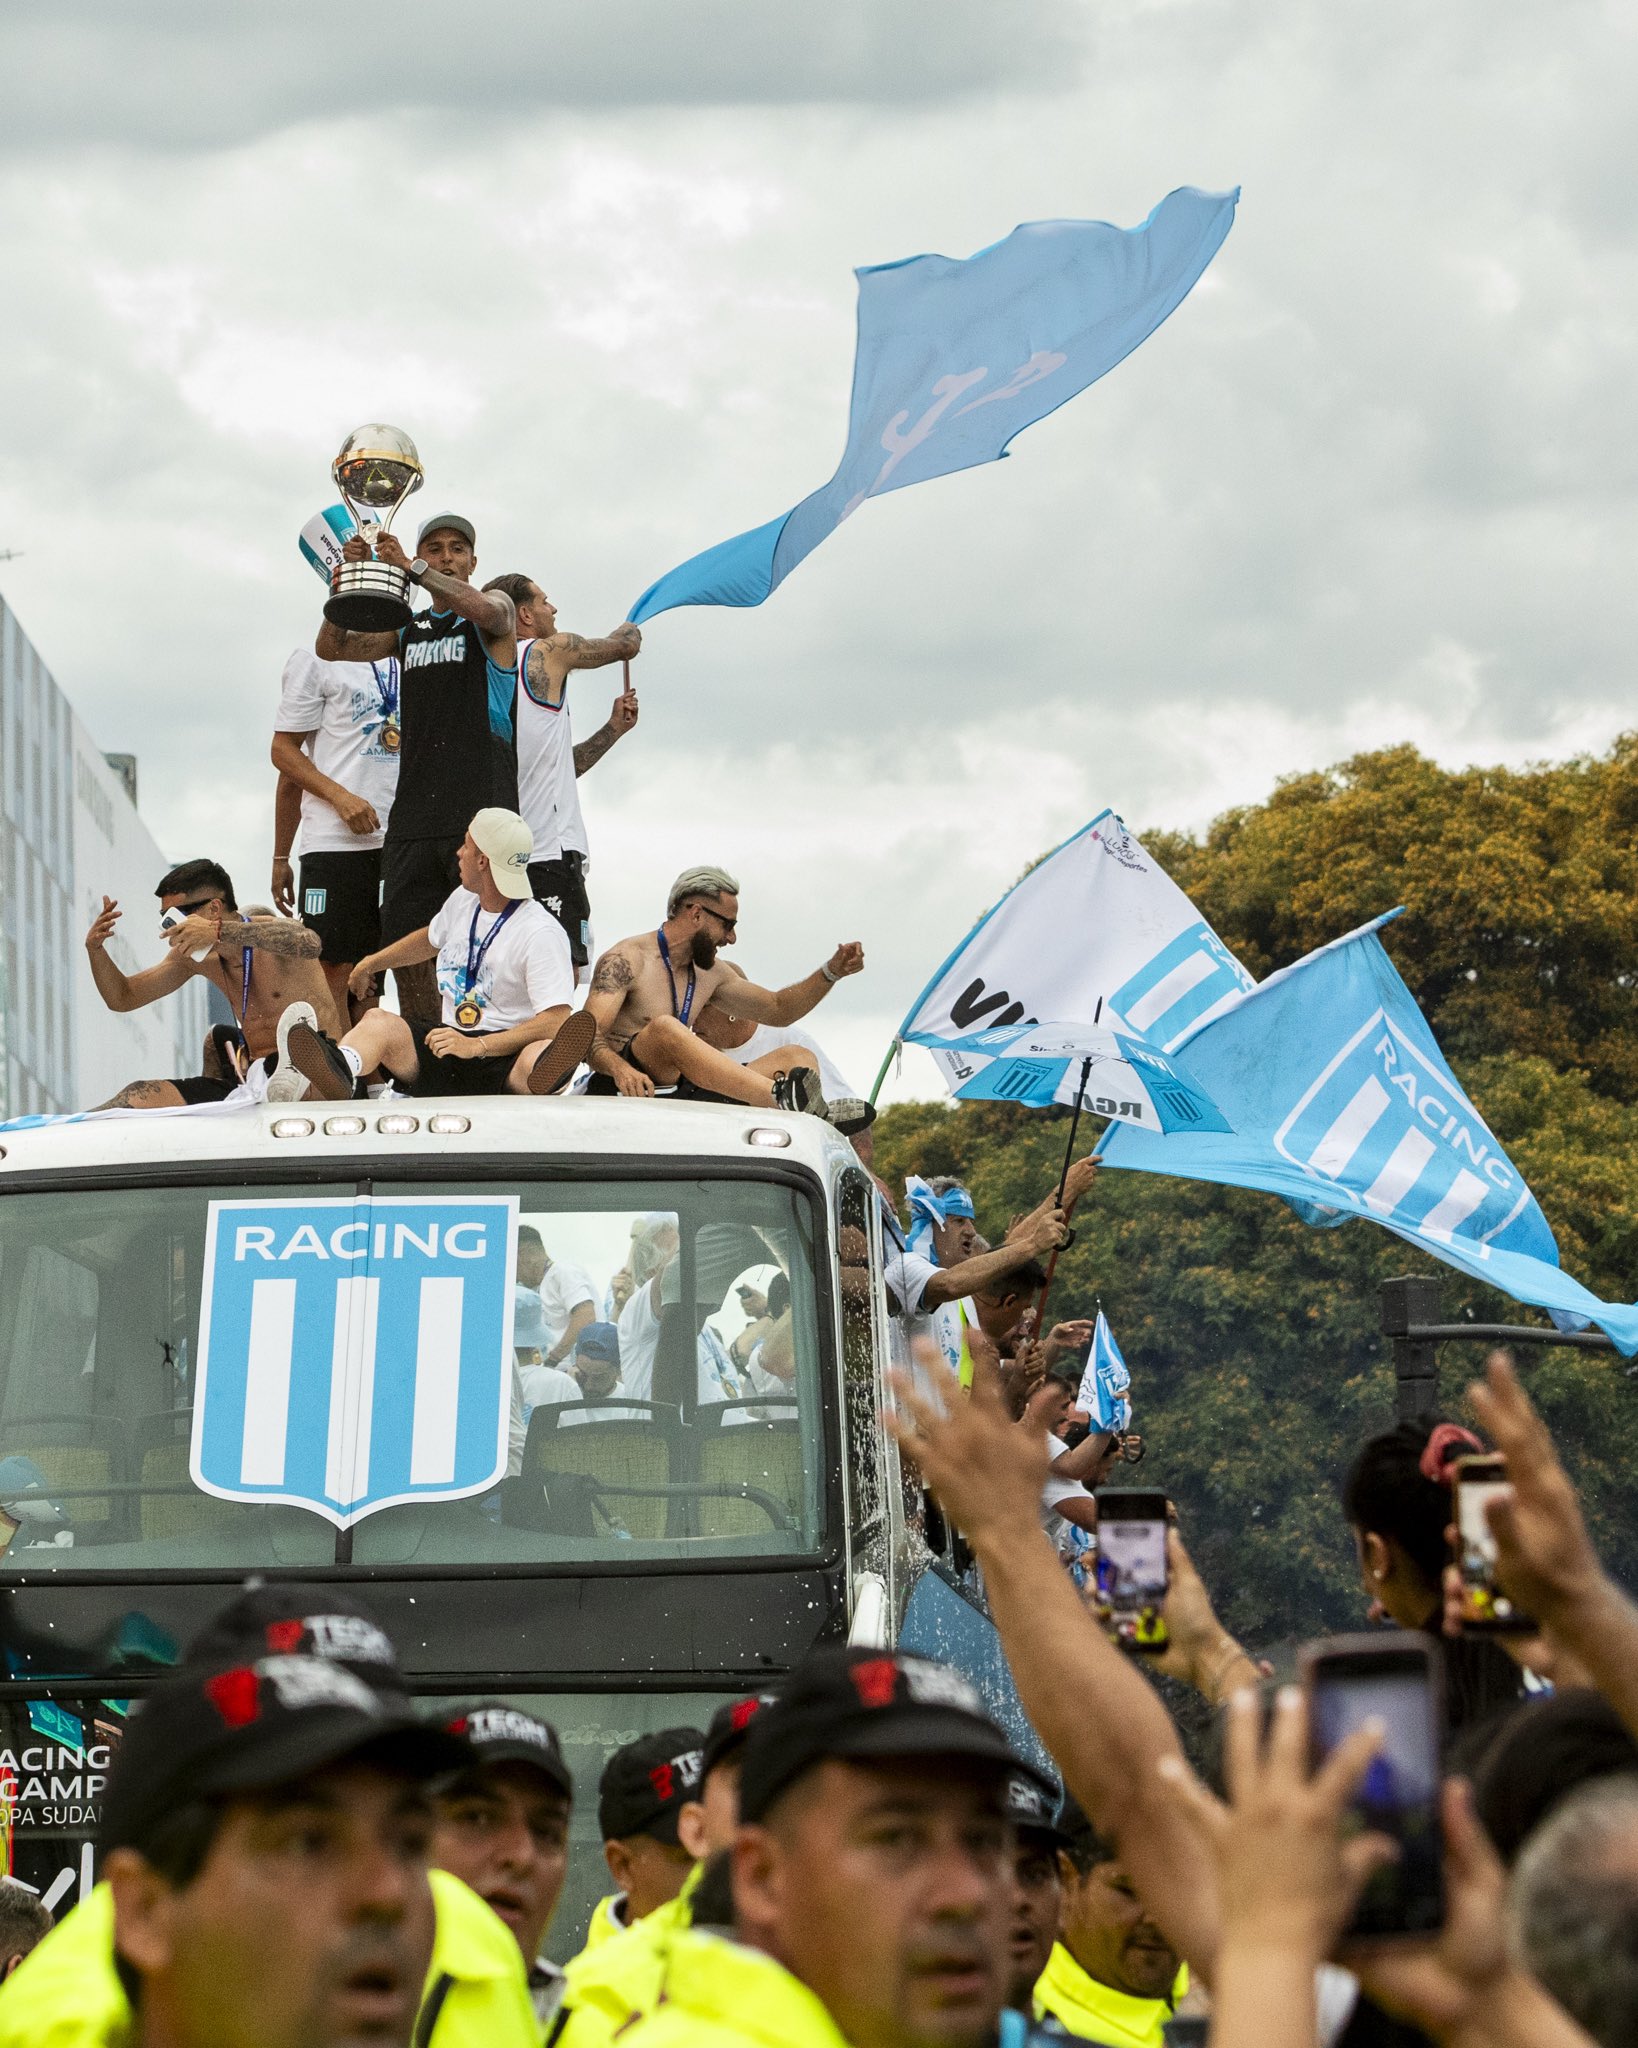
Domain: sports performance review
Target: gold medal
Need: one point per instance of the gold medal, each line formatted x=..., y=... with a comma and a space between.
x=468, y=1012
x=391, y=737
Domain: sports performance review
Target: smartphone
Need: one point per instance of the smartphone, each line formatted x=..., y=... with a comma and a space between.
x=1131, y=1567
x=1486, y=1609
x=1395, y=1679
x=173, y=917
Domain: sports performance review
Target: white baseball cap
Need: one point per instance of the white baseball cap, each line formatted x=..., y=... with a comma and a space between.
x=508, y=844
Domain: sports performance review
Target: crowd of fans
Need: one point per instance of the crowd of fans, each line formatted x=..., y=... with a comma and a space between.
x=293, y=1856
x=432, y=775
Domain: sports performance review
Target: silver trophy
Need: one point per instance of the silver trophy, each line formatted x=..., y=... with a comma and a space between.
x=375, y=472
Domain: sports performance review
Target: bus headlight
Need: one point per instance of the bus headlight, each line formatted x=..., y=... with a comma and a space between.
x=343, y=1126
x=293, y=1127
x=764, y=1134
x=445, y=1124
x=397, y=1126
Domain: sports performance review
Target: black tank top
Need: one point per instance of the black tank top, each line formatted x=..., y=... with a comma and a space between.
x=455, y=706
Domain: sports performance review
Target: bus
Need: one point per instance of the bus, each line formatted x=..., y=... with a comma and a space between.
x=277, y=1342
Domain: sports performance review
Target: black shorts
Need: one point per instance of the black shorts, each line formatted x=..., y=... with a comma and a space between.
x=443, y=1076
x=195, y=1088
x=561, y=886
x=417, y=876
x=340, y=899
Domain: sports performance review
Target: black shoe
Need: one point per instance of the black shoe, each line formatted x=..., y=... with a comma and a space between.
x=321, y=1061
x=799, y=1090
x=557, y=1063
x=848, y=1114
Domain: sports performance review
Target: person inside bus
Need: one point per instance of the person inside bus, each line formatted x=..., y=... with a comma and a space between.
x=644, y=1787
x=507, y=985
x=872, y=1871
x=595, y=1375
x=615, y=1982
x=502, y=1827
x=554, y=1303
x=262, y=965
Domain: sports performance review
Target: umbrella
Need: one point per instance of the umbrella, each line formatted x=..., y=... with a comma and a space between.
x=1088, y=1066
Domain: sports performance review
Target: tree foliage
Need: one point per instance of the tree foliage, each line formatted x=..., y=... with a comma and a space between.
x=1254, y=1340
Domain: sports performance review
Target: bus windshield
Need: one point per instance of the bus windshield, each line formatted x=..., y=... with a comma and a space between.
x=664, y=1367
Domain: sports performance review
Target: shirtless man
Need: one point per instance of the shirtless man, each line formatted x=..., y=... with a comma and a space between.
x=648, y=990
x=265, y=966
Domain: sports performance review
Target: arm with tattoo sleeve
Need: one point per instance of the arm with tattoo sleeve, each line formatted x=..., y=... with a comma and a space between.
x=605, y=999
x=281, y=936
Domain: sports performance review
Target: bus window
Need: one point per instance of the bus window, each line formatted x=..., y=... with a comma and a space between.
x=661, y=1393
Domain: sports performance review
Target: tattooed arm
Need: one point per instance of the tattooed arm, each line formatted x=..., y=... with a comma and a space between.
x=282, y=936
x=607, y=997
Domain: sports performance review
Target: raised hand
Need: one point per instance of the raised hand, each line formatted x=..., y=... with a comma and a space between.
x=623, y=714
x=1045, y=1233
x=102, y=925
x=847, y=959
x=1545, y=1560
x=983, y=1468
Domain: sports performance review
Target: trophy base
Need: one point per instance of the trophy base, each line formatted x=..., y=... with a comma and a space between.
x=369, y=597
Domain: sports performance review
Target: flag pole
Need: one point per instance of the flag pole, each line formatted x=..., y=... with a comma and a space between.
x=1063, y=1182
x=881, y=1073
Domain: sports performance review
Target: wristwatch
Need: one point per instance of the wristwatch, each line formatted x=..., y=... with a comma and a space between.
x=417, y=569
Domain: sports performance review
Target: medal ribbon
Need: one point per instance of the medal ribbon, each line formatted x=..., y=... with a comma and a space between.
x=474, y=951
x=388, y=689
x=681, y=1015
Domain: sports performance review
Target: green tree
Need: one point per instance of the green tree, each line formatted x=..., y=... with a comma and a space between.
x=1253, y=1338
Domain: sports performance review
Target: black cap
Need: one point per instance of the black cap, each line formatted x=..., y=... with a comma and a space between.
x=1081, y=1835
x=247, y=1727
x=298, y=1621
x=645, y=1785
x=503, y=1734
x=728, y=1728
x=1033, y=1808
x=845, y=1702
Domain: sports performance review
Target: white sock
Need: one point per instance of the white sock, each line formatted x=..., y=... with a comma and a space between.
x=350, y=1055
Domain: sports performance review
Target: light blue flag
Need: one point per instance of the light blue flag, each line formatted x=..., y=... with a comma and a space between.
x=958, y=355
x=1105, y=1391
x=1342, y=1102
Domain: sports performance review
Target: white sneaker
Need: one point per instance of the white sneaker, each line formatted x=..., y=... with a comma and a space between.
x=287, y=1083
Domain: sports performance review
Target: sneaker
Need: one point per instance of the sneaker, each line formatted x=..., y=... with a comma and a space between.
x=847, y=1114
x=287, y=1083
x=557, y=1063
x=799, y=1090
x=319, y=1060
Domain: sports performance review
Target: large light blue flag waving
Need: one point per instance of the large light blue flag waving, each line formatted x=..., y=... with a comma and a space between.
x=957, y=356
x=1342, y=1102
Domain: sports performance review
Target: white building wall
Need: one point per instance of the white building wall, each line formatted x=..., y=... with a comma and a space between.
x=69, y=832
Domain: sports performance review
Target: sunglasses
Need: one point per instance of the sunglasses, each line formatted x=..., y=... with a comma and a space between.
x=194, y=908
x=729, y=924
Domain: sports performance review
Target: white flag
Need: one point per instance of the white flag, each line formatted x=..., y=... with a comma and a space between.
x=1097, y=921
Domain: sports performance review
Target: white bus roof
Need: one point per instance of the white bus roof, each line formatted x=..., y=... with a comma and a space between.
x=304, y=1135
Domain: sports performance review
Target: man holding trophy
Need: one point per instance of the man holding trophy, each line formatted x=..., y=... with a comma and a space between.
x=457, y=677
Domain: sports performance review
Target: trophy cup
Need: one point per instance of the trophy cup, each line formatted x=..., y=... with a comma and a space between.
x=375, y=472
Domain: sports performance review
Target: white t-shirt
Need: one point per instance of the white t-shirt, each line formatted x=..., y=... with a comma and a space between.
x=907, y=1274
x=526, y=967
x=547, y=796
x=545, y=1383
x=561, y=1293
x=343, y=704
x=770, y=1037
x=639, y=1328
x=1057, y=1491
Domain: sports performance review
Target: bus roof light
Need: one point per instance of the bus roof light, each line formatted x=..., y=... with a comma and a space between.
x=293, y=1127
x=397, y=1126
x=343, y=1126
x=764, y=1134
x=444, y=1123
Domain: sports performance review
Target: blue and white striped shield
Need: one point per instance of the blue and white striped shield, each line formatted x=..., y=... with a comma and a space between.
x=355, y=1354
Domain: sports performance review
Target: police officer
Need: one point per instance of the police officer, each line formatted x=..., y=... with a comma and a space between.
x=615, y=1982
x=1112, y=1976
x=71, y=1992
x=871, y=1873
x=640, y=1797
x=503, y=1828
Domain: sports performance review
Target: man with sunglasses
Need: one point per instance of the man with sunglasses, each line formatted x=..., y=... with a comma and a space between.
x=267, y=968
x=648, y=992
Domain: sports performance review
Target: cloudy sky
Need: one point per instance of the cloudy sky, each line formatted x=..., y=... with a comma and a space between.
x=1374, y=481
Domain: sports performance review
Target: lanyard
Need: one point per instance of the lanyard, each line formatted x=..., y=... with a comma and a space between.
x=475, y=952
x=388, y=688
x=244, y=993
x=681, y=1015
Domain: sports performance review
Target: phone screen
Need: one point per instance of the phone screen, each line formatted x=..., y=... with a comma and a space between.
x=1131, y=1573
x=1484, y=1605
x=1400, y=1793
